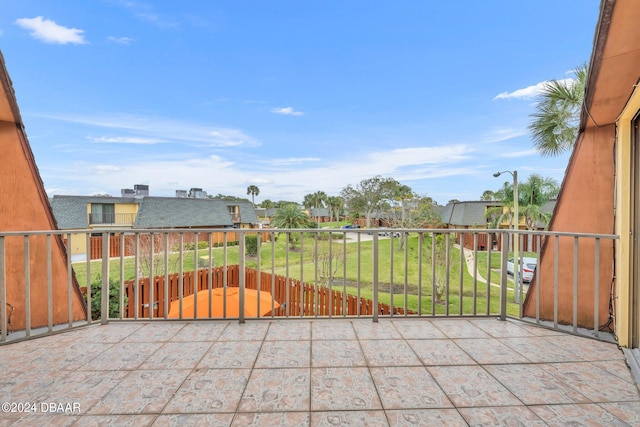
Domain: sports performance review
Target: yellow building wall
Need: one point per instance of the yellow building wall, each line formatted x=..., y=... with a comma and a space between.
x=624, y=221
x=78, y=244
x=126, y=208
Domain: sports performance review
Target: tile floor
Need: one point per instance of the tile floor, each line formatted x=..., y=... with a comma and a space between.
x=323, y=372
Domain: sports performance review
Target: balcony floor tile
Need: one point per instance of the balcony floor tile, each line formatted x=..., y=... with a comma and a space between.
x=318, y=372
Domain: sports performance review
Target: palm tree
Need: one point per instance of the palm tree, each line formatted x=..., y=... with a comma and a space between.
x=538, y=190
x=307, y=202
x=555, y=122
x=498, y=214
x=533, y=215
x=253, y=190
x=534, y=193
x=488, y=195
x=318, y=200
x=291, y=216
x=335, y=203
x=268, y=204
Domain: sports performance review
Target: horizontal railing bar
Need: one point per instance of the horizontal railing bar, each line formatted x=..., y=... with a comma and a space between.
x=127, y=230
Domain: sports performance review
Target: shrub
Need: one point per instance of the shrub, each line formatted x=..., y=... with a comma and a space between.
x=251, y=243
x=201, y=245
x=96, y=298
x=325, y=236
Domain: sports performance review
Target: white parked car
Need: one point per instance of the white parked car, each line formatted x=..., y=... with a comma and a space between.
x=528, y=267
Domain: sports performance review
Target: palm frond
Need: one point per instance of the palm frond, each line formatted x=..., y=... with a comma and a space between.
x=554, y=127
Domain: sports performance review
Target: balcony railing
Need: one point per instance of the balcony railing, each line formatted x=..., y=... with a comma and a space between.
x=111, y=218
x=253, y=274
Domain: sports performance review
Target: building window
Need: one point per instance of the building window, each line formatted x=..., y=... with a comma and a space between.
x=102, y=213
x=234, y=211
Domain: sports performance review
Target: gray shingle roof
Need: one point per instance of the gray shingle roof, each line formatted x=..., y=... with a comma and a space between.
x=549, y=206
x=167, y=212
x=247, y=212
x=71, y=211
x=472, y=213
x=444, y=212
x=468, y=213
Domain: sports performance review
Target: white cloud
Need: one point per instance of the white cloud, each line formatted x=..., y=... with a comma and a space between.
x=525, y=93
x=120, y=40
x=287, y=111
x=529, y=91
x=104, y=169
x=291, y=179
x=164, y=129
x=50, y=32
x=145, y=12
x=259, y=181
x=402, y=157
x=292, y=161
x=499, y=134
x=126, y=140
x=514, y=154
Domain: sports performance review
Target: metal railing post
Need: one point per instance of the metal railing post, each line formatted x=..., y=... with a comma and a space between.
x=49, y=285
x=104, y=303
x=242, y=278
x=504, y=252
x=375, y=277
x=596, y=300
x=27, y=285
x=88, y=280
x=69, y=284
x=3, y=293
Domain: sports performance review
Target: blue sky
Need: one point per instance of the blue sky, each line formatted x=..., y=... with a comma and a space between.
x=291, y=96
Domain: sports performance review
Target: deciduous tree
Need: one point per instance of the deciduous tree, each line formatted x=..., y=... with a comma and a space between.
x=370, y=195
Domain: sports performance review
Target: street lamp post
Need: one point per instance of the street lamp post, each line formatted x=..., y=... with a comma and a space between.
x=516, y=239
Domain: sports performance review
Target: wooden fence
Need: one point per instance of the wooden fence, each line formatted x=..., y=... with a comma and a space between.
x=311, y=300
x=481, y=242
x=528, y=243
x=95, y=249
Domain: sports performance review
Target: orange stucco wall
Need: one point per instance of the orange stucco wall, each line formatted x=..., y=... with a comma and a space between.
x=585, y=205
x=23, y=207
